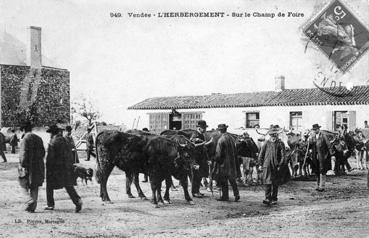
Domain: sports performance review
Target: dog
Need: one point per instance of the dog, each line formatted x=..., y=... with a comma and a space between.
x=83, y=173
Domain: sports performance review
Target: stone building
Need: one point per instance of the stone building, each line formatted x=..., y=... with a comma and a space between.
x=37, y=92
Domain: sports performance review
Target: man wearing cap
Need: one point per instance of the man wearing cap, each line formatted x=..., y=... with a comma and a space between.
x=89, y=144
x=226, y=163
x=321, y=154
x=198, y=137
x=72, y=147
x=59, y=169
x=31, y=159
x=271, y=158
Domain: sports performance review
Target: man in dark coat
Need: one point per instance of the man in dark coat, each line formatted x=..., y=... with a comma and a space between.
x=198, y=138
x=31, y=158
x=247, y=151
x=13, y=141
x=226, y=164
x=89, y=144
x=2, y=147
x=271, y=158
x=321, y=156
x=72, y=147
x=59, y=169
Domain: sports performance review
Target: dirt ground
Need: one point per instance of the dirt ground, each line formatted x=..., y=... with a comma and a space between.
x=341, y=211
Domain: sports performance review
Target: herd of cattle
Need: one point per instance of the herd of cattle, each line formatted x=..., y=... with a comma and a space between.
x=173, y=154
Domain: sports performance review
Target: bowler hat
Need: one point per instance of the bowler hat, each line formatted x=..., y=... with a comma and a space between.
x=222, y=126
x=316, y=126
x=202, y=124
x=53, y=129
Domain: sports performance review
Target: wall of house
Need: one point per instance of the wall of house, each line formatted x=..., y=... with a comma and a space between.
x=52, y=100
x=280, y=115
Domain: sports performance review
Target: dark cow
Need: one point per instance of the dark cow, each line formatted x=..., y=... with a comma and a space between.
x=166, y=158
x=126, y=151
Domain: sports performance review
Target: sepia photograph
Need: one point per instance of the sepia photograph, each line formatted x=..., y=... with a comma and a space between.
x=167, y=118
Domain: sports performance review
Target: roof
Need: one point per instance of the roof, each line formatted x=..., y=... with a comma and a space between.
x=287, y=97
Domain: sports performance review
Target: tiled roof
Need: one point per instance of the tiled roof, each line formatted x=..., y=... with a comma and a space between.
x=287, y=97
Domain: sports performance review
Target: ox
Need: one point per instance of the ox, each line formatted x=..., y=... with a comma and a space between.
x=166, y=158
x=115, y=148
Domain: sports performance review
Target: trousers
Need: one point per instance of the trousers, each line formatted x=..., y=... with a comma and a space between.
x=70, y=190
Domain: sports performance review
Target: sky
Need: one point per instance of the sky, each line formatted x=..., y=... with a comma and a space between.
x=121, y=61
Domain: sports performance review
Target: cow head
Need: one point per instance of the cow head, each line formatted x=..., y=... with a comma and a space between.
x=185, y=156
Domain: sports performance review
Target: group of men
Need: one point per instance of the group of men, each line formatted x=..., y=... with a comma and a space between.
x=59, y=165
x=271, y=161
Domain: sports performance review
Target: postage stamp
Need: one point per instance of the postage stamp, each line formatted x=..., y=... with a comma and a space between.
x=339, y=35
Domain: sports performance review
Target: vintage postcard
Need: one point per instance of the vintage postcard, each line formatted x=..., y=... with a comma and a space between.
x=275, y=93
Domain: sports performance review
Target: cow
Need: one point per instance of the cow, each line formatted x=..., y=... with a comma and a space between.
x=126, y=151
x=168, y=157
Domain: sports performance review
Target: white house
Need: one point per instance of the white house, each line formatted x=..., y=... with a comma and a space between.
x=295, y=109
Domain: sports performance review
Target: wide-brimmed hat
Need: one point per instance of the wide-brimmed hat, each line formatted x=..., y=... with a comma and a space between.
x=275, y=129
x=202, y=124
x=222, y=126
x=54, y=129
x=316, y=126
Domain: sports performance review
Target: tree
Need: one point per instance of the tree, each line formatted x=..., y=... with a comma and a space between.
x=85, y=108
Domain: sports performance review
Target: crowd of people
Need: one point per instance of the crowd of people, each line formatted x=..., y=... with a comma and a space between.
x=270, y=159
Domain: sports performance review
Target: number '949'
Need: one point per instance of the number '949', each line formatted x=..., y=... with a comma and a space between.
x=115, y=14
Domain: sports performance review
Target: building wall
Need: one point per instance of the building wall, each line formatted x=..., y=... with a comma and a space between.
x=280, y=115
x=52, y=100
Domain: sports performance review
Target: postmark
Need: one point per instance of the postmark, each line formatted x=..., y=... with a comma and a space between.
x=339, y=35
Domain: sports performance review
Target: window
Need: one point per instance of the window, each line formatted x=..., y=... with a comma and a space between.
x=341, y=118
x=252, y=119
x=296, y=121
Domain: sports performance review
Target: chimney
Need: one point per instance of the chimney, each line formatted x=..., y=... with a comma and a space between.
x=279, y=83
x=36, y=58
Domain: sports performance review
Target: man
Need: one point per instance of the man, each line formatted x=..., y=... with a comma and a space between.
x=59, y=169
x=2, y=147
x=13, y=141
x=89, y=144
x=271, y=158
x=366, y=124
x=146, y=177
x=226, y=164
x=321, y=156
x=247, y=151
x=31, y=159
x=72, y=147
x=198, y=137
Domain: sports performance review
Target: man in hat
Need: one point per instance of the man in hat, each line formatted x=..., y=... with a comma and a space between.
x=247, y=151
x=72, y=147
x=271, y=158
x=226, y=163
x=89, y=144
x=198, y=137
x=59, y=169
x=321, y=156
x=31, y=159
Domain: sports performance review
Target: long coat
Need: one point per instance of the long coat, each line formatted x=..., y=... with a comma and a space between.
x=72, y=147
x=322, y=150
x=272, y=156
x=226, y=157
x=31, y=157
x=59, y=164
x=2, y=142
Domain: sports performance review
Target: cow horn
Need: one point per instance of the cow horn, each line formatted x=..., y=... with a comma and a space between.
x=182, y=145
